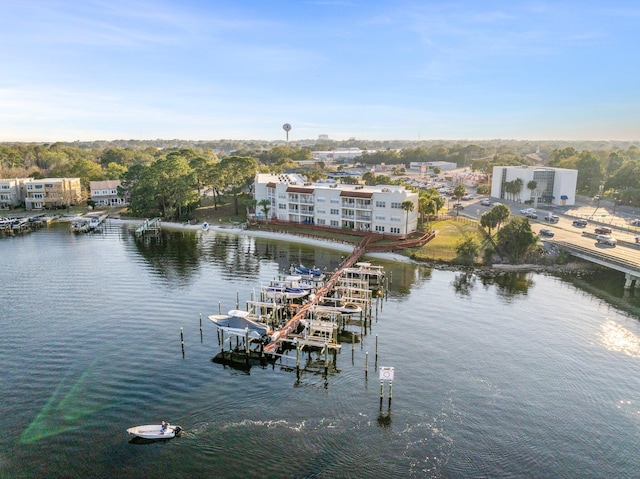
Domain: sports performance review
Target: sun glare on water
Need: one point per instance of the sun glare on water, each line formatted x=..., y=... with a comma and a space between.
x=617, y=338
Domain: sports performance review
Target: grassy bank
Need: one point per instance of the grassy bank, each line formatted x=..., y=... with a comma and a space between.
x=449, y=233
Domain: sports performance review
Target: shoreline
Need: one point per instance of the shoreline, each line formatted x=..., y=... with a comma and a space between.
x=571, y=267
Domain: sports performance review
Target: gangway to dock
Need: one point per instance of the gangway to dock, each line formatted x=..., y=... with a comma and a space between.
x=148, y=225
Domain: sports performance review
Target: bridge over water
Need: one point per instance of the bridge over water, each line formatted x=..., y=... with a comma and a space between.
x=631, y=269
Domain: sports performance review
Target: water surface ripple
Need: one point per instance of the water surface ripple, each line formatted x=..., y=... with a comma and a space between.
x=521, y=376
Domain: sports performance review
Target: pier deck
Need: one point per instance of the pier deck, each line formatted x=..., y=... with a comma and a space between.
x=292, y=325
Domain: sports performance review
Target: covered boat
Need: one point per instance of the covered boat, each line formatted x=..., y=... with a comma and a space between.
x=237, y=323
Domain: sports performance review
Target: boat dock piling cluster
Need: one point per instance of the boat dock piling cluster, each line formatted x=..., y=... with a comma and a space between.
x=303, y=315
x=24, y=224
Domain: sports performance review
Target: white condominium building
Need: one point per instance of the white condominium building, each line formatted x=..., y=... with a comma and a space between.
x=354, y=207
x=556, y=186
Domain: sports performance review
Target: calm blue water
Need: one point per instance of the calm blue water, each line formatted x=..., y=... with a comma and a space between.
x=523, y=376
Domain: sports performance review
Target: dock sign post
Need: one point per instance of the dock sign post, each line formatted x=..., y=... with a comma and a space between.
x=386, y=374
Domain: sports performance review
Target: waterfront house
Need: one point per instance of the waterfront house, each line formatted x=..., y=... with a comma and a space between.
x=105, y=193
x=51, y=193
x=9, y=194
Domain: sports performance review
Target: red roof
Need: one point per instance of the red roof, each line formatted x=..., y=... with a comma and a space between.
x=298, y=189
x=356, y=194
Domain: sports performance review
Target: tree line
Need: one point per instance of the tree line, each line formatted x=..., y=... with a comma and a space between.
x=169, y=181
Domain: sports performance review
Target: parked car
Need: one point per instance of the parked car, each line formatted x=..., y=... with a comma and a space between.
x=458, y=206
x=546, y=232
x=551, y=218
x=637, y=238
x=485, y=202
x=603, y=230
x=496, y=203
x=467, y=197
x=579, y=222
x=528, y=210
x=532, y=215
x=606, y=239
x=635, y=223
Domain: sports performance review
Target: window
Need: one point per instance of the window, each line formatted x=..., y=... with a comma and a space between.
x=394, y=230
x=321, y=221
x=380, y=217
x=321, y=199
x=381, y=204
x=397, y=206
x=335, y=223
x=380, y=229
x=335, y=200
x=321, y=212
x=282, y=206
x=335, y=211
x=395, y=218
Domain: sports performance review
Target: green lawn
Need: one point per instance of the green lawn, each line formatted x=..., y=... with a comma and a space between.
x=449, y=233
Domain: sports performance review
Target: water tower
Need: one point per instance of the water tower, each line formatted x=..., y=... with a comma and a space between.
x=287, y=127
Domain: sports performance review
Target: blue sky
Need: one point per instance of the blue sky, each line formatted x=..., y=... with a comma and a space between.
x=370, y=69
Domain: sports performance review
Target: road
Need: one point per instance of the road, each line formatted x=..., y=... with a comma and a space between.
x=564, y=230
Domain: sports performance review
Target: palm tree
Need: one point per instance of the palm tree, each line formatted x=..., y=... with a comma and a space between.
x=265, y=205
x=501, y=214
x=407, y=206
x=531, y=186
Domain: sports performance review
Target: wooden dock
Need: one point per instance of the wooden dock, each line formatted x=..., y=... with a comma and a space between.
x=148, y=226
x=320, y=338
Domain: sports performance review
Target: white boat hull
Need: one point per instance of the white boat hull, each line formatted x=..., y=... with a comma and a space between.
x=155, y=431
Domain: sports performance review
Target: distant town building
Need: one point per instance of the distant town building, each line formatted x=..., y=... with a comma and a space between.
x=338, y=156
x=556, y=186
x=350, y=207
x=424, y=166
x=105, y=193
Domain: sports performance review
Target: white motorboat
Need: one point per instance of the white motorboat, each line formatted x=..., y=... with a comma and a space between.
x=205, y=226
x=155, y=431
x=349, y=308
x=237, y=323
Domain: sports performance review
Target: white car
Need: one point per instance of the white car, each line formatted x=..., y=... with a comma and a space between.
x=606, y=239
x=638, y=239
x=552, y=218
x=635, y=223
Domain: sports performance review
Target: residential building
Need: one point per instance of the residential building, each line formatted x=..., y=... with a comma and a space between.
x=556, y=186
x=352, y=207
x=51, y=193
x=10, y=194
x=105, y=193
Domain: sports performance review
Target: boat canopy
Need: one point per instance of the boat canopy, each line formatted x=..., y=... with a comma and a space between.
x=238, y=324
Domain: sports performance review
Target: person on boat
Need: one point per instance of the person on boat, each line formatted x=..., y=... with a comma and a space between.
x=164, y=427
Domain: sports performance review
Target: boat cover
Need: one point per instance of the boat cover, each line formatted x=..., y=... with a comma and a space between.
x=239, y=325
